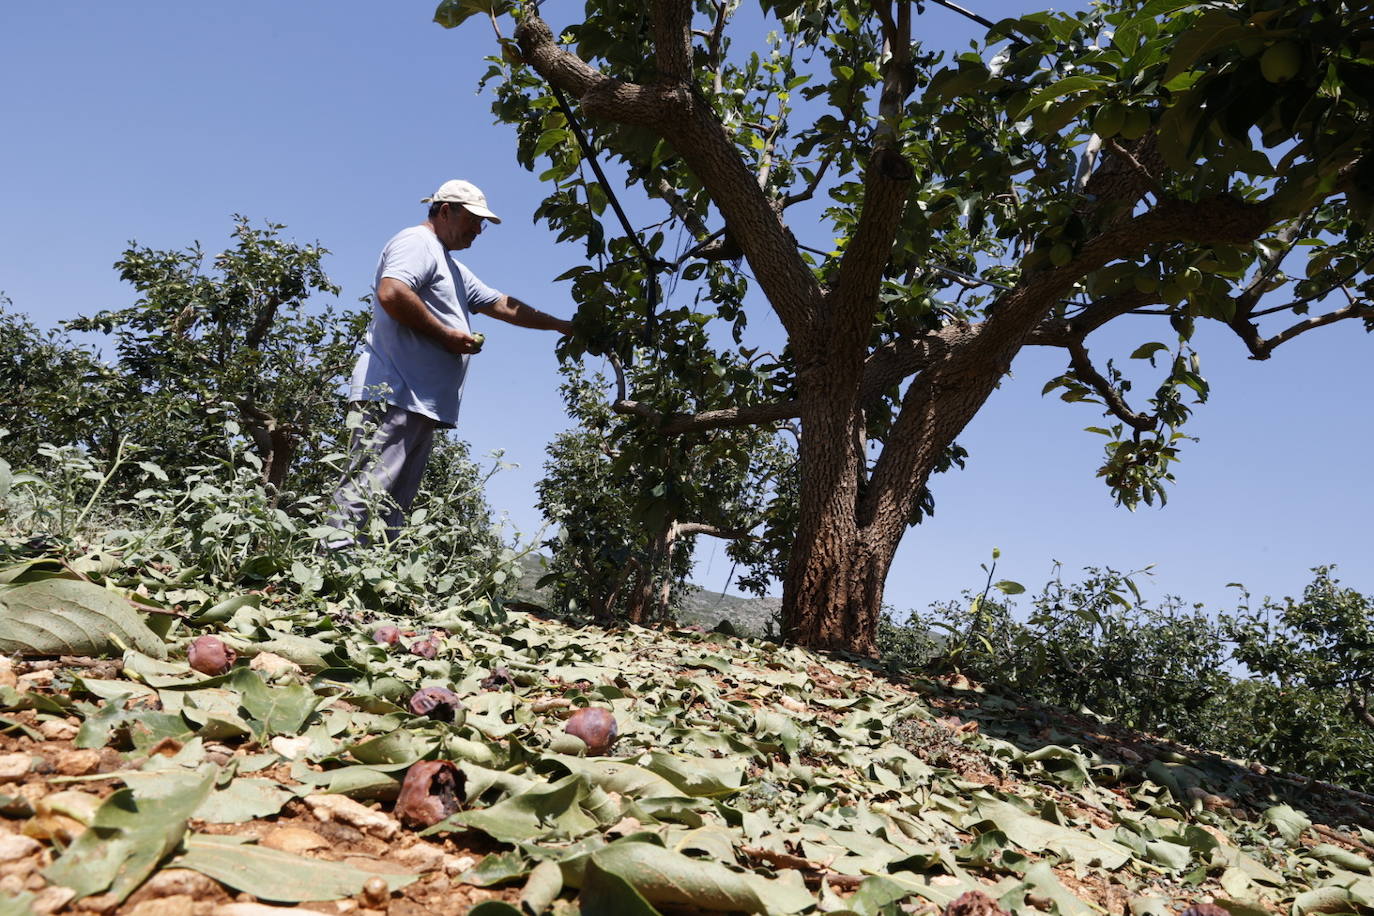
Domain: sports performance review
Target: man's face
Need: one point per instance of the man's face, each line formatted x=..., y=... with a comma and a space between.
x=457, y=228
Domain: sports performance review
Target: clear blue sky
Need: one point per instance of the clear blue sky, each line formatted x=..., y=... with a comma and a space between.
x=158, y=120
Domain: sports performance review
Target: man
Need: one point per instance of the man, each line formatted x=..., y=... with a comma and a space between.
x=409, y=378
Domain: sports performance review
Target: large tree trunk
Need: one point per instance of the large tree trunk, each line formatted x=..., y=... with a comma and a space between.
x=851, y=524
x=831, y=599
x=832, y=580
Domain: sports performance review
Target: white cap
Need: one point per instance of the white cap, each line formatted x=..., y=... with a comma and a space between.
x=462, y=192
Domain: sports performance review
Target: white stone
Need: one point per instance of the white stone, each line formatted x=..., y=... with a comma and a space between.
x=57, y=729
x=456, y=865
x=422, y=856
x=14, y=766
x=345, y=810
x=13, y=846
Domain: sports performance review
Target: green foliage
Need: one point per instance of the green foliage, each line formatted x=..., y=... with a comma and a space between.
x=51, y=389
x=178, y=453
x=220, y=520
x=1175, y=671
x=1316, y=654
x=232, y=335
x=629, y=504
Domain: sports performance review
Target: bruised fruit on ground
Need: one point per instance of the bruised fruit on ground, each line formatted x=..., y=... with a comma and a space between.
x=596, y=727
x=974, y=903
x=435, y=702
x=387, y=635
x=432, y=790
x=499, y=677
x=425, y=648
x=209, y=655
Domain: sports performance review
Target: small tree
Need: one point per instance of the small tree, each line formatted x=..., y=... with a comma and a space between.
x=238, y=336
x=1325, y=642
x=630, y=504
x=51, y=390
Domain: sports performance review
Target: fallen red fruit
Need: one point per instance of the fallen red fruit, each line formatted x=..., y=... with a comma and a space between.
x=386, y=636
x=432, y=790
x=974, y=903
x=435, y=702
x=425, y=648
x=499, y=677
x=209, y=655
x=596, y=727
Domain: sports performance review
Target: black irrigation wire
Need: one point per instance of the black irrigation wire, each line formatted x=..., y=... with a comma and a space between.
x=652, y=264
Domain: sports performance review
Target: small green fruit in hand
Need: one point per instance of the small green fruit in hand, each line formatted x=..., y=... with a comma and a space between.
x=477, y=341
x=1281, y=61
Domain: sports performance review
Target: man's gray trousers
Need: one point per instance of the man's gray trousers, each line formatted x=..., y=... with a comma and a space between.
x=387, y=455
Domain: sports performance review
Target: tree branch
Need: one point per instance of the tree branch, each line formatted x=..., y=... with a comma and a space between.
x=816, y=179
x=1111, y=395
x=686, y=121
x=602, y=97
x=1359, y=705
x=1150, y=181
x=854, y=298
x=1263, y=348
x=715, y=531
x=673, y=39
x=681, y=423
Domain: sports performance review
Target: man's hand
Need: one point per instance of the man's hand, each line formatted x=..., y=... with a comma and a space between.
x=461, y=342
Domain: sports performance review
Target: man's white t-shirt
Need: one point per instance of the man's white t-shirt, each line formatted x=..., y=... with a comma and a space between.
x=401, y=366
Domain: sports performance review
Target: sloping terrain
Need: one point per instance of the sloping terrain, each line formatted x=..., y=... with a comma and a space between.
x=746, y=776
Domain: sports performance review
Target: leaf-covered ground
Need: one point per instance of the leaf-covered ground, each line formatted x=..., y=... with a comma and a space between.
x=746, y=776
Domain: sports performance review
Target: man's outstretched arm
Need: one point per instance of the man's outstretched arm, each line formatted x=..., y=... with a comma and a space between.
x=513, y=311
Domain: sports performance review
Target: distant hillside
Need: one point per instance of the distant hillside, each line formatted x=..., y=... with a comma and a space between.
x=749, y=616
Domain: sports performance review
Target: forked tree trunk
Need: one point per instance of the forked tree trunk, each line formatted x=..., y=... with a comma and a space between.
x=831, y=598
x=848, y=534
x=834, y=579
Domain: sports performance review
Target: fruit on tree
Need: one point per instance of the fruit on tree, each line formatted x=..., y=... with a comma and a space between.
x=1136, y=123
x=1281, y=61
x=1110, y=118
